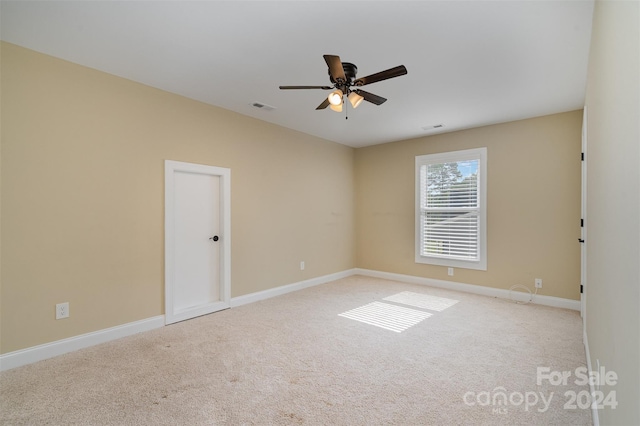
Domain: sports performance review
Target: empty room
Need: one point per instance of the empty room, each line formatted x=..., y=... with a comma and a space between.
x=320, y=212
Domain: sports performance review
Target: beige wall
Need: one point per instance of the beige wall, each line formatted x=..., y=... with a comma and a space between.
x=533, y=206
x=613, y=203
x=83, y=197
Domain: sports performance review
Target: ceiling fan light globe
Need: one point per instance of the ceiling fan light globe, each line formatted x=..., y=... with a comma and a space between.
x=335, y=97
x=336, y=108
x=355, y=99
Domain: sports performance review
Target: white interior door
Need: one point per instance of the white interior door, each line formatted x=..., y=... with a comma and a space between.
x=197, y=240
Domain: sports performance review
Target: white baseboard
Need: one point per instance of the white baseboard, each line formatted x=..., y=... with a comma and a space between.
x=592, y=389
x=59, y=347
x=49, y=350
x=556, y=302
x=278, y=291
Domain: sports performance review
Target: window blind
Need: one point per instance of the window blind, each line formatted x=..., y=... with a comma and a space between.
x=450, y=210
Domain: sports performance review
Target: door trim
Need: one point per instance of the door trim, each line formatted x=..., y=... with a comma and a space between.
x=170, y=168
x=583, y=228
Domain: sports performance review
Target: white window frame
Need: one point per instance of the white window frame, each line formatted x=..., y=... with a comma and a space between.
x=451, y=157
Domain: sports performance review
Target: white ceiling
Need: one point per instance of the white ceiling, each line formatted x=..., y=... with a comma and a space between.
x=470, y=63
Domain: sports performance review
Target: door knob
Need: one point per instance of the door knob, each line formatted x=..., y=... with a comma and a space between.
x=214, y=238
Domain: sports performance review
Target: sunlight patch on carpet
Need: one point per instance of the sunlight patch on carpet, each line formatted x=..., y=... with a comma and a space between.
x=389, y=317
x=424, y=301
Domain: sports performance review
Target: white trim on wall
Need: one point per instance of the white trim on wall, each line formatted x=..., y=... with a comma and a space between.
x=556, y=302
x=60, y=347
x=592, y=389
x=583, y=227
x=278, y=291
x=49, y=350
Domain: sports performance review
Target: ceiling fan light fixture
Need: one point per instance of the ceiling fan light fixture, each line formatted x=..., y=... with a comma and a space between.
x=355, y=99
x=336, y=108
x=335, y=98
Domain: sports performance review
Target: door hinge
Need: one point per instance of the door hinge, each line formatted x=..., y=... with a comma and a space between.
x=580, y=240
x=581, y=289
x=581, y=223
x=582, y=156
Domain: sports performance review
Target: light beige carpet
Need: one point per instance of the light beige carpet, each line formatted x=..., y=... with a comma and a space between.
x=294, y=360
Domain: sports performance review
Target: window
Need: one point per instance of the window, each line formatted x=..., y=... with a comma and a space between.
x=451, y=209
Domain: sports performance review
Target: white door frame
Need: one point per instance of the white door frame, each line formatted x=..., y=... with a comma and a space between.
x=583, y=229
x=170, y=168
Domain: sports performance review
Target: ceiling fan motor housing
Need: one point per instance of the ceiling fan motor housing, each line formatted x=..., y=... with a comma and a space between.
x=350, y=71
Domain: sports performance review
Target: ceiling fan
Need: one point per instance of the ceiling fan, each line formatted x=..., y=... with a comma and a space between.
x=345, y=83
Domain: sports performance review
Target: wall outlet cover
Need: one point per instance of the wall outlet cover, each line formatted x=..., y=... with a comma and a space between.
x=62, y=310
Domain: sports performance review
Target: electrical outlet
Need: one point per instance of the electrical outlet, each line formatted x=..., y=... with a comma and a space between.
x=302, y=265
x=538, y=282
x=450, y=272
x=62, y=310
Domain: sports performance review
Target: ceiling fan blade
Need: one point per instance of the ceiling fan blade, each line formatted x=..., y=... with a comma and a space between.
x=382, y=75
x=305, y=87
x=335, y=67
x=370, y=97
x=324, y=104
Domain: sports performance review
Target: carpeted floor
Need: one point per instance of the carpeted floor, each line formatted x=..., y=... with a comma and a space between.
x=294, y=359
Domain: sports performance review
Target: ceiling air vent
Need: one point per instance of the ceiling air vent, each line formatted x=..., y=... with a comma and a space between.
x=433, y=127
x=263, y=106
